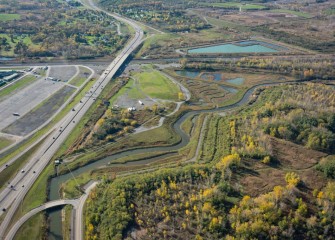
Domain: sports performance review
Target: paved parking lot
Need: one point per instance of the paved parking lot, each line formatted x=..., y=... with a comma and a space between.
x=25, y=100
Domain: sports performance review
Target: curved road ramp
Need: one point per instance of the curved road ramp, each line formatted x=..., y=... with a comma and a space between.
x=78, y=205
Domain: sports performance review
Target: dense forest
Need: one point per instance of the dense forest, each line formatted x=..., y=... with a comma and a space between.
x=207, y=201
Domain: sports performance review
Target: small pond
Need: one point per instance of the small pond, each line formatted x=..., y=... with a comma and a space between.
x=236, y=81
x=190, y=74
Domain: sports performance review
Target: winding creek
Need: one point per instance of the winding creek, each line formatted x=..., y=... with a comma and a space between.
x=55, y=215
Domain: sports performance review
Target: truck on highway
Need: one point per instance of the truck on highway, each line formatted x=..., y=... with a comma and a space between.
x=16, y=114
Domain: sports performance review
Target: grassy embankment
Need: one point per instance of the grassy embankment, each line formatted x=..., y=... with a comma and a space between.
x=4, y=142
x=32, y=228
x=81, y=78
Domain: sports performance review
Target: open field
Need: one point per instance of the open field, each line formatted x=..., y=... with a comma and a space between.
x=35, y=118
x=9, y=17
x=155, y=85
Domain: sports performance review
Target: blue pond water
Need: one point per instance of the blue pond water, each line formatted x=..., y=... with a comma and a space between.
x=266, y=44
x=190, y=74
x=239, y=47
x=236, y=81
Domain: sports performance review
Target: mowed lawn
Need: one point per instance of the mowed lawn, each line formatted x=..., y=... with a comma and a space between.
x=155, y=85
x=9, y=17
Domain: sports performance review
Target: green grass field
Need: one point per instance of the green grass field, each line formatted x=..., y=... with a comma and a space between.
x=25, y=81
x=9, y=17
x=155, y=85
x=299, y=14
x=235, y=5
x=4, y=142
x=31, y=228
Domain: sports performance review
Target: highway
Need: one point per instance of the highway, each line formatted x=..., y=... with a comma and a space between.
x=14, y=193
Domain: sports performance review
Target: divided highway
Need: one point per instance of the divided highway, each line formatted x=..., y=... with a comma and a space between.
x=14, y=193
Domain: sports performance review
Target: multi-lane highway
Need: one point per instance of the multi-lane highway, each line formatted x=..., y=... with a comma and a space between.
x=14, y=193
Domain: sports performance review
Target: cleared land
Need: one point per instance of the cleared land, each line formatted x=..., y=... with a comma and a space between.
x=38, y=116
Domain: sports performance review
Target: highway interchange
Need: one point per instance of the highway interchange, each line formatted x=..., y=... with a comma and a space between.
x=14, y=193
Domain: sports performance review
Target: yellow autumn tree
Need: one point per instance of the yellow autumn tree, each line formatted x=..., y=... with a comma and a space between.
x=228, y=161
x=292, y=179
